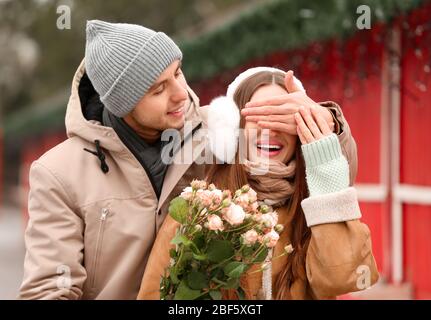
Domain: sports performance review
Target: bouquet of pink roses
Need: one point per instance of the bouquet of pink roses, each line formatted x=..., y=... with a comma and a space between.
x=220, y=237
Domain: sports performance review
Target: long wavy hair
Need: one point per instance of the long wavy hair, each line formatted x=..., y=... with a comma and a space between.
x=233, y=176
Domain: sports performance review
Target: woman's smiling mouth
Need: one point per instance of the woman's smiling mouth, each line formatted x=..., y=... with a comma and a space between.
x=269, y=148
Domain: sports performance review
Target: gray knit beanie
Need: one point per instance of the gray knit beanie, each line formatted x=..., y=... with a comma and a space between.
x=124, y=60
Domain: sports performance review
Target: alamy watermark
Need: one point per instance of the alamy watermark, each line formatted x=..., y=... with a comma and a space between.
x=64, y=280
x=242, y=143
x=364, y=280
x=64, y=18
x=364, y=20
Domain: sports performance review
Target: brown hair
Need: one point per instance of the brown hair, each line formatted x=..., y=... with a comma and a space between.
x=233, y=176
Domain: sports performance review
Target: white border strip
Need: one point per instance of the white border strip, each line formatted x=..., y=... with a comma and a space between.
x=402, y=193
x=412, y=194
x=397, y=209
x=371, y=192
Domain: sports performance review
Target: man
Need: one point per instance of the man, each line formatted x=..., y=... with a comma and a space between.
x=98, y=199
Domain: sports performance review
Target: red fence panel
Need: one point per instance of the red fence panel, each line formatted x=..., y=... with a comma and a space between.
x=415, y=157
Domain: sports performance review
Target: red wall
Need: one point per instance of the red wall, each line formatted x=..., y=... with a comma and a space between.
x=416, y=147
x=349, y=74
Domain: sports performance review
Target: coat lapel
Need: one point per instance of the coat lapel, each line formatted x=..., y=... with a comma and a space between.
x=177, y=169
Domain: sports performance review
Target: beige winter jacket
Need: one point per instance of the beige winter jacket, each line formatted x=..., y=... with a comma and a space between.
x=90, y=233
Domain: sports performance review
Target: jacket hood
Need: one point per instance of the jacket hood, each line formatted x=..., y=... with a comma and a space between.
x=78, y=125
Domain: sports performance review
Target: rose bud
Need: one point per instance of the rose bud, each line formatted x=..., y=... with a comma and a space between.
x=279, y=228
x=264, y=208
x=226, y=202
x=288, y=249
x=245, y=188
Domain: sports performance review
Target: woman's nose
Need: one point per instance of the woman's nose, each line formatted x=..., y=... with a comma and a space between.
x=272, y=133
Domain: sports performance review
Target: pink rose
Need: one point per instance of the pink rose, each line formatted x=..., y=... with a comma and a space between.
x=252, y=195
x=242, y=200
x=268, y=220
x=271, y=238
x=187, y=193
x=253, y=207
x=234, y=214
x=217, y=196
x=215, y=223
x=204, y=197
x=250, y=237
x=274, y=216
x=212, y=187
x=198, y=184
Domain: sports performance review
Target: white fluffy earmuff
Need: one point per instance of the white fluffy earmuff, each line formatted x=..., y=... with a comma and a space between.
x=223, y=125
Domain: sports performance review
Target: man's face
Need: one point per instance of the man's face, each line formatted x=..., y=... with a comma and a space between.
x=163, y=106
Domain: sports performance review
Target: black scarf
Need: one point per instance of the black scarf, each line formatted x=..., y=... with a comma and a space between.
x=149, y=155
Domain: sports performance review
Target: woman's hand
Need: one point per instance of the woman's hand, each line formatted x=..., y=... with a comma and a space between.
x=310, y=125
x=327, y=170
x=277, y=113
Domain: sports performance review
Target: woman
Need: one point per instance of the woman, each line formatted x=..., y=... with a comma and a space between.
x=306, y=179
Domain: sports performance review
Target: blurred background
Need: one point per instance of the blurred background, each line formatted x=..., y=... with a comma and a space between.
x=370, y=56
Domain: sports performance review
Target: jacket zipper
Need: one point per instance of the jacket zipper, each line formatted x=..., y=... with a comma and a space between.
x=99, y=242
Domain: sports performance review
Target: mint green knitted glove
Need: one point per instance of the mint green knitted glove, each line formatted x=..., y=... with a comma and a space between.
x=326, y=168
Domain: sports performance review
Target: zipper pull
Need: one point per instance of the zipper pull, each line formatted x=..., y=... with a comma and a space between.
x=104, y=214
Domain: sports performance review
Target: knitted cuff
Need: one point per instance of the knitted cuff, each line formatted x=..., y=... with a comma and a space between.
x=331, y=208
x=327, y=169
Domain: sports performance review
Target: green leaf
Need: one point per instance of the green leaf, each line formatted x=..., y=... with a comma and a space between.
x=218, y=281
x=261, y=256
x=216, y=273
x=247, y=251
x=194, y=248
x=199, y=240
x=241, y=293
x=180, y=238
x=173, y=274
x=178, y=210
x=234, y=269
x=219, y=250
x=197, y=280
x=185, y=293
x=232, y=283
x=173, y=253
x=188, y=255
x=215, y=294
x=200, y=257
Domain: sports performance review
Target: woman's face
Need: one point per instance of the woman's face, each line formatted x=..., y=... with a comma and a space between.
x=268, y=143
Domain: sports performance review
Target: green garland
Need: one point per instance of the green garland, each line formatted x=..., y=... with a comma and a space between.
x=280, y=25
